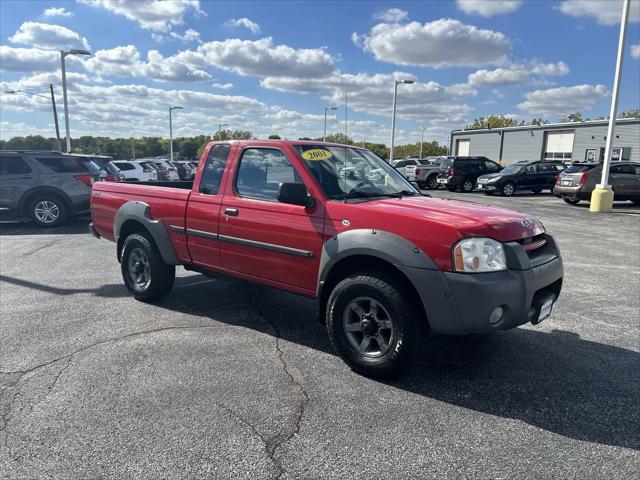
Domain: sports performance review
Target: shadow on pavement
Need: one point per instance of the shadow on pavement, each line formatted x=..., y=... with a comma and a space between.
x=76, y=226
x=556, y=381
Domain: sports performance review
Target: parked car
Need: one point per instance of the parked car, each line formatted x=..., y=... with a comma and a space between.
x=385, y=262
x=113, y=173
x=137, y=171
x=427, y=175
x=533, y=176
x=578, y=181
x=171, y=170
x=48, y=187
x=410, y=170
x=401, y=165
x=461, y=173
x=185, y=171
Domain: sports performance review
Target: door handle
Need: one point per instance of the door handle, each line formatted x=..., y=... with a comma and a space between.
x=232, y=212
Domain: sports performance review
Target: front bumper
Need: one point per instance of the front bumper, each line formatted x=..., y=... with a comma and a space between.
x=459, y=303
x=486, y=187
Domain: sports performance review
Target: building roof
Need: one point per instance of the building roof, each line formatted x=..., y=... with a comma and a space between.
x=550, y=126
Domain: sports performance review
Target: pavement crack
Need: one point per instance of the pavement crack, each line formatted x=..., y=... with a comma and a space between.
x=274, y=443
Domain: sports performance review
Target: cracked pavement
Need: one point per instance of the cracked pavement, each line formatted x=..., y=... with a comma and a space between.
x=225, y=379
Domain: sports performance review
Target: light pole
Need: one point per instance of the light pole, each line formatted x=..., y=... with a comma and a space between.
x=63, y=54
x=171, y=109
x=393, y=115
x=324, y=138
x=52, y=98
x=421, y=141
x=602, y=194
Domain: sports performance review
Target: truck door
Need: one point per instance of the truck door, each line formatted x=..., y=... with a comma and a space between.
x=203, y=209
x=262, y=237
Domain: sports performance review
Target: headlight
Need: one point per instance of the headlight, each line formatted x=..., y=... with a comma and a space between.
x=493, y=179
x=476, y=255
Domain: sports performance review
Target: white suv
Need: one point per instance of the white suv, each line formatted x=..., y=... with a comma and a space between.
x=136, y=171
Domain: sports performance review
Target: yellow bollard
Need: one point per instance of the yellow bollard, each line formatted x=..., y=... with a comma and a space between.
x=601, y=199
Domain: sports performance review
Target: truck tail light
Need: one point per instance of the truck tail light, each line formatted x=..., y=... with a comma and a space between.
x=111, y=178
x=418, y=170
x=583, y=178
x=86, y=179
x=452, y=172
x=557, y=179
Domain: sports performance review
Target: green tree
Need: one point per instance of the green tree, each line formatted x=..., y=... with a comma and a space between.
x=274, y=137
x=572, y=117
x=631, y=114
x=339, y=138
x=492, y=121
x=232, y=135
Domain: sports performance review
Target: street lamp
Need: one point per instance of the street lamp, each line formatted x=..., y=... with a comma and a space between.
x=63, y=54
x=393, y=115
x=421, y=141
x=171, y=109
x=52, y=98
x=324, y=138
x=220, y=125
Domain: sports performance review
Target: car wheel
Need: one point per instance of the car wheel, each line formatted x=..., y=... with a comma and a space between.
x=48, y=211
x=507, y=189
x=571, y=199
x=144, y=272
x=432, y=183
x=537, y=190
x=467, y=185
x=373, y=325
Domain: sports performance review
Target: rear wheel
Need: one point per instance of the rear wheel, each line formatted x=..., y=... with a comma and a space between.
x=373, y=324
x=144, y=272
x=467, y=185
x=432, y=183
x=571, y=199
x=508, y=189
x=48, y=210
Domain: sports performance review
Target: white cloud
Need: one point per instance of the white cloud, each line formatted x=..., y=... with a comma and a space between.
x=606, y=12
x=155, y=15
x=47, y=36
x=392, y=15
x=243, y=22
x=28, y=59
x=563, y=100
x=488, y=8
x=180, y=67
x=57, y=12
x=262, y=58
x=190, y=35
x=635, y=51
x=121, y=61
x=499, y=76
x=550, y=69
x=441, y=43
x=222, y=86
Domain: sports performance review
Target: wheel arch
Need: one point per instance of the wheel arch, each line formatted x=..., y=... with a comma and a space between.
x=134, y=217
x=30, y=195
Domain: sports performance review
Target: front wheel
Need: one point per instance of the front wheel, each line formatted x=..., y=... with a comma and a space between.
x=432, y=183
x=467, y=185
x=144, y=272
x=507, y=189
x=373, y=325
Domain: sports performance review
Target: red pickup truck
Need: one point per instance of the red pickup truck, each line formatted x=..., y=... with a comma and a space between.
x=339, y=224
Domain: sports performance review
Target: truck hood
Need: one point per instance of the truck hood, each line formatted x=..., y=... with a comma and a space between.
x=460, y=218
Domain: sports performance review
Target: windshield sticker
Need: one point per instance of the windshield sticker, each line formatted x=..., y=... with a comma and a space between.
x=316, y=154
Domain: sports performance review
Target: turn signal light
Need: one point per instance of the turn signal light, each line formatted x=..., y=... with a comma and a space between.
x=86, y=179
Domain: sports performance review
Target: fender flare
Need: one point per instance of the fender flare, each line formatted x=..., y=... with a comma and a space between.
x=141, y=212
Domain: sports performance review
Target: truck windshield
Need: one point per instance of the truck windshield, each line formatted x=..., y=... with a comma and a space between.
x=348, y=172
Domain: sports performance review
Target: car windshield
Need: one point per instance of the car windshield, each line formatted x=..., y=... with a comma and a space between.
x=348, y=172
x=446, y=163
x=511, y=169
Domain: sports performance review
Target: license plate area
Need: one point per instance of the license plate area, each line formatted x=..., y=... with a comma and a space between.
x=544, y=307
x=442, y=180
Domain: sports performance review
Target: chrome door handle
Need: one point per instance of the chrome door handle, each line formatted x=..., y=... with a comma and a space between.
x=232, y=212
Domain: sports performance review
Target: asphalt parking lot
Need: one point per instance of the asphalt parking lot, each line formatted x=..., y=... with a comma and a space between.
x=224, y=379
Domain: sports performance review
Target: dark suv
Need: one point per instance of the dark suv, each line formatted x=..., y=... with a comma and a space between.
x=461, y=173
x=533, y=176
x=48, y=187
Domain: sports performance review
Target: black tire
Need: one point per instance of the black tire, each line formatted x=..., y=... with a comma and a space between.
x=507, y=189
x=48, y=210
x=421, y=185
x=432, y=182
x=157, y=277
x=402, y=340
x=571, y=200
x=537, y=190
x=466, y=185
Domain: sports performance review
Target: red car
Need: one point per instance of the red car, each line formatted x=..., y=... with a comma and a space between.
x=339, y=224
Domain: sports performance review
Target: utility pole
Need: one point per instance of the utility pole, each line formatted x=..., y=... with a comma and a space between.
x=55, y=117
x=63, y=54
x=421, y=141
x=393, y=114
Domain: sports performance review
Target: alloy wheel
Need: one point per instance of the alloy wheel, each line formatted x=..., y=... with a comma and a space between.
x=368, y=327
x=46, y=211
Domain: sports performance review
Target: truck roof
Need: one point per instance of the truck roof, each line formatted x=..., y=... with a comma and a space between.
x=284, y=142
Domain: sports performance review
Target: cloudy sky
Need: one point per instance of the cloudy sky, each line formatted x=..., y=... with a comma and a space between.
x=272, y=67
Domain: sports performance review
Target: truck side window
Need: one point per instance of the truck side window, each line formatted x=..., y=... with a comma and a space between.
x=213, y=169
x=261, y=171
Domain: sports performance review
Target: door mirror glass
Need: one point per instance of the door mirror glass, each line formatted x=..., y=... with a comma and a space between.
x=294, y=194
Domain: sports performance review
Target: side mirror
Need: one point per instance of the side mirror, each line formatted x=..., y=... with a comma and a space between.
x=294, y=194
